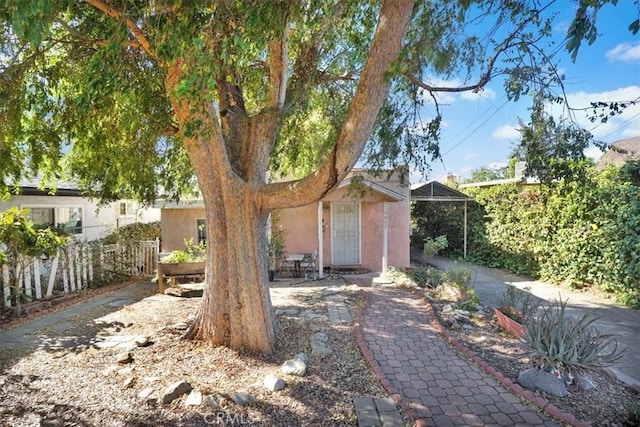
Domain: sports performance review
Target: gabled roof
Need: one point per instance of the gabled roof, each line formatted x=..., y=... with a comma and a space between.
x=434, y=191
x=386, y=193
x=31, y=187
x=620, y=152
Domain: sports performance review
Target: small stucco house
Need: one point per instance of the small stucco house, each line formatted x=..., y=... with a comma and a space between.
x=364, y=226
x=70, y=210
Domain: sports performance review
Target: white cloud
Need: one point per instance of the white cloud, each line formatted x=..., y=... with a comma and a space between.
x=624, y=52
x=497, y=165
x=507, y=132
x=594, y=152
x=486, y=93
x=626, y=124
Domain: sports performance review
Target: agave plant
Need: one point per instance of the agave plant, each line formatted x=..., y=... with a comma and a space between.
x=563, y=342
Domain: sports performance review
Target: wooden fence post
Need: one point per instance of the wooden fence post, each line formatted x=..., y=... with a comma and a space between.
x=36, y=277
x=52, y=274
x=7, y=290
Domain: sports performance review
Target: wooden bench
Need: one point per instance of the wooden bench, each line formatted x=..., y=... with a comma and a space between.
x=173, y=270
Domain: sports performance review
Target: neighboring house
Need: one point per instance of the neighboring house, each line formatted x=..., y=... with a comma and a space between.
x=620, y=152
x=368, y=228
x=520, y=179
x=69, y=210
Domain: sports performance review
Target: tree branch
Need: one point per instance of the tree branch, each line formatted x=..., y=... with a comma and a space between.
x=369, y=96
x=131, y=25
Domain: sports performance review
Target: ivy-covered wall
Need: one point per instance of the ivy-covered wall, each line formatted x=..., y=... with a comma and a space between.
x=584, y=233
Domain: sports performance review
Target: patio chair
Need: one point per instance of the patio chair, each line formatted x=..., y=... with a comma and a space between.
x=286, y=267
x=308, y=264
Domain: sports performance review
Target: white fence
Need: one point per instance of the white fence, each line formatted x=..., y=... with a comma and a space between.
x=76, y=267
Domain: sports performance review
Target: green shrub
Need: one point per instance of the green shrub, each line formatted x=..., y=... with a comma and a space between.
x=562, y=342
x=433, y=246
x=135, y=232
x=460, y=278
x=518, y=304
x=424, y=277
x=191, y=253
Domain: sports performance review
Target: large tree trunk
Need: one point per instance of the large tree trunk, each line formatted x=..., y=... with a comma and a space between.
x=236, y=308
x=230, y=159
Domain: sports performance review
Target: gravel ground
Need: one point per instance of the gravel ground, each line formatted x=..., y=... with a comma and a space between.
x=85, y=386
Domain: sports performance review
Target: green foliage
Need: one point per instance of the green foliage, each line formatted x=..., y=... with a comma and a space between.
x=518, y=304
x=424, y=277
x=192, y=253
x=85, y=88
x=19, y=239
x=460, y=278
x=275, y=244
x=583, y=234
x=433, y=246
x=438, y=219
x=567, y=343
x=134, y=233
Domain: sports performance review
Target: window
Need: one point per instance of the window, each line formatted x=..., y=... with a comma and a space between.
x=201, y=231
x=125, y=209
x=65, y=218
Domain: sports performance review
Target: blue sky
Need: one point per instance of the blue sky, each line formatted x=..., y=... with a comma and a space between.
x=480, y=130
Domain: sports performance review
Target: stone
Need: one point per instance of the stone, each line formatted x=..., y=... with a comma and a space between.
x=447, y=308
x=287, y=311
x=320, y=336
x=213, y=401
x=542, y=380
x=143, y=341
x=462, y=318
x=124, y=358
x=126, y=371
x=194, y=398
x=321, y=352
x=467, y=327
x=464, y=313
x=109, y=371
x=146, y=394
x=273, y=383
x=585, y=382
x=242, y=399
x=316, y=327
x=128, y=383
x=180, y=326
x=294, y=367
x=303, y=357
x=175, y=390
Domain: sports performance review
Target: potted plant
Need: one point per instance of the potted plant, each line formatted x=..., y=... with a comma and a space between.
x=515, y=309
x=275, y=249
x=187, y=262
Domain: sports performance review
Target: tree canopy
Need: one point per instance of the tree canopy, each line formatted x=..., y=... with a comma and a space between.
x=84, y=84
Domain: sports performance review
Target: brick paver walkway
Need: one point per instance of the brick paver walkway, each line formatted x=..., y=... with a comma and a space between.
x=436, y=384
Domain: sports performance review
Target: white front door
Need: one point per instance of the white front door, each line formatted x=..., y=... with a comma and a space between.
x=345, y=233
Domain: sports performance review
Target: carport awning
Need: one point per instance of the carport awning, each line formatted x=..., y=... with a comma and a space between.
x=434, y=191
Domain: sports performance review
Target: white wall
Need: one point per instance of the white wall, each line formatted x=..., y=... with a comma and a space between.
x=97, y=223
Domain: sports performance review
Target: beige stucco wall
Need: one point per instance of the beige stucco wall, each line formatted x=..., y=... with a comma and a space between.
x=176, y=225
